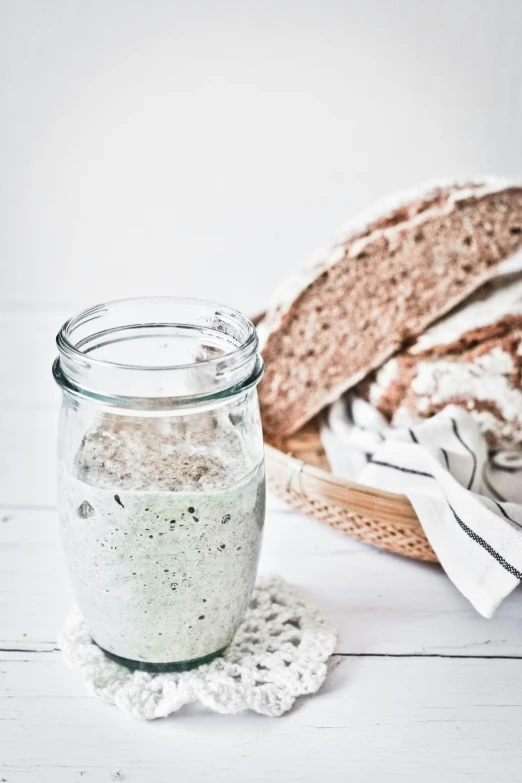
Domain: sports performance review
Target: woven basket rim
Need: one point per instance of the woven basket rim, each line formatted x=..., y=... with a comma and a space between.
x=302, y=478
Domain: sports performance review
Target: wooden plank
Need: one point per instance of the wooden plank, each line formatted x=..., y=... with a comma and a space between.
x=374, y=719
x=381, y=604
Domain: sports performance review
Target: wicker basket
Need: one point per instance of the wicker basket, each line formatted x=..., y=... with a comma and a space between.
x=298, y=472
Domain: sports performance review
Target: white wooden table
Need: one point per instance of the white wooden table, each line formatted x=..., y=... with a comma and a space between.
x=421, y=688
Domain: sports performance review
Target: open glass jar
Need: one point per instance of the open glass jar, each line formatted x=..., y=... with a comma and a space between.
x=161, y=478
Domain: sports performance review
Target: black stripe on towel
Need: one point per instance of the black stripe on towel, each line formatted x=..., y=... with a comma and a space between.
x=455, y=430
x=413, y=436
x=504, y=513
x=446, y=459
x=484, y=544
x=404, y=470
x=491, y=488
x=471, y=533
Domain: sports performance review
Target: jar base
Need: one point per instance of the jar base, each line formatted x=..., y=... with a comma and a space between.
x=162, y=668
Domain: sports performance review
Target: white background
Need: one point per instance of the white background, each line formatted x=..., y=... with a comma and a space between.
x=207, y=148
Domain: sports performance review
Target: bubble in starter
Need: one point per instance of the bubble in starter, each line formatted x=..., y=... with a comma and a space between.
x=85, y=510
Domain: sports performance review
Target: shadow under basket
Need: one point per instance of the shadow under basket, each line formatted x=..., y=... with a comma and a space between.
x=298, y=472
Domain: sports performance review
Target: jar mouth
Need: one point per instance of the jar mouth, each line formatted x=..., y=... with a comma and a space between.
x=156, y=349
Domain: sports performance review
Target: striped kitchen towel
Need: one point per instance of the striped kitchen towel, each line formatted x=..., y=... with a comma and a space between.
x=469, y=503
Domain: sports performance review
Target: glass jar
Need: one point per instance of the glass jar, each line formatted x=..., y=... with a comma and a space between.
x=161, y=486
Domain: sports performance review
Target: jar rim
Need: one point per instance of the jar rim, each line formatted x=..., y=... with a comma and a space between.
x=141, y=324
x=65, y=345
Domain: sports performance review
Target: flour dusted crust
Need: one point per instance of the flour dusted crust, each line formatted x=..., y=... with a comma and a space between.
x=388, y=276
x=472, y=358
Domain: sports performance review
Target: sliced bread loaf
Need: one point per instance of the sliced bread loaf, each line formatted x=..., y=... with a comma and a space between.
x=390, y=275
x=471, y=357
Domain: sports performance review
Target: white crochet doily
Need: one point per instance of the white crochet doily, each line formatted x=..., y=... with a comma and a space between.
x=279, y=653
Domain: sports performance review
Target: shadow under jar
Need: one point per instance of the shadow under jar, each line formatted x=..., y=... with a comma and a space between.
x=161, y=486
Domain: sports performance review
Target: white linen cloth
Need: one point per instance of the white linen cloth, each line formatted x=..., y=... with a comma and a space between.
x=468, y=503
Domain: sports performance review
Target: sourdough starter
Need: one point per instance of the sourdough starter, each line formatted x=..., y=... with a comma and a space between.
x=162, y=526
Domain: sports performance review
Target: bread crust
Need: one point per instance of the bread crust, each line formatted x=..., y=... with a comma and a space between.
x=471, y=358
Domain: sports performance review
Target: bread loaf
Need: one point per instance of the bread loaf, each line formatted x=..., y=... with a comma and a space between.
x=390, y=275
x=472, y=358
